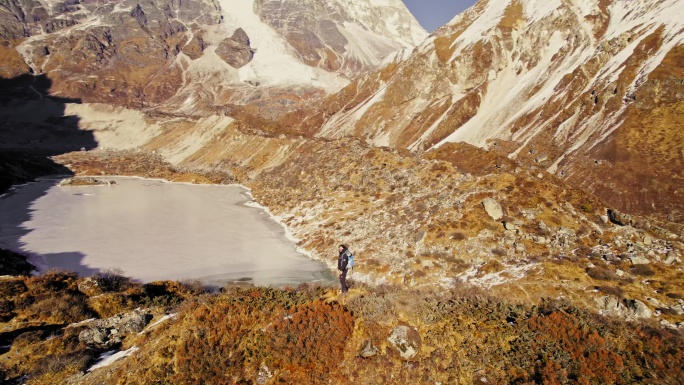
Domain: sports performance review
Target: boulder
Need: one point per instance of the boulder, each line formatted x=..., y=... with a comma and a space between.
x=638, y=309
x=629, y=309
x=493, y=208
x=619, y=218
x=105, y=333
x=639, y=260
x=405, y=340
x=236, y=50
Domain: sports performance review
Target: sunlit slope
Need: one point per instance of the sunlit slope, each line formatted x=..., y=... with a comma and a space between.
x=588, y=90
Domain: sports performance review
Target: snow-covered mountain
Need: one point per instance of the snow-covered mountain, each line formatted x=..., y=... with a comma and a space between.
x=589, y=90
x=200, y=55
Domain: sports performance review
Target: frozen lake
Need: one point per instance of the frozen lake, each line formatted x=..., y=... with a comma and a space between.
x=153, y=230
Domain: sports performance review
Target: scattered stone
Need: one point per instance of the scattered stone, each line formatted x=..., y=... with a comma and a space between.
x=368, y=350
x=543, y=226
x=510, y=226
x=653, y=302
x=520, y=248
x=671, y=259
x=493, y=208
x=405, y=340
x=264, y=375
x=639, y=260
x=677, y=309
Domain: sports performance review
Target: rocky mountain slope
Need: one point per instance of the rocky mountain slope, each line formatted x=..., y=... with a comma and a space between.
x=590, y=91
x=454, y=214
x=200, y=56
x=476, y=262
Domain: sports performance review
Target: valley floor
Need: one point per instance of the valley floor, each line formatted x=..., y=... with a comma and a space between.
x=55, y=327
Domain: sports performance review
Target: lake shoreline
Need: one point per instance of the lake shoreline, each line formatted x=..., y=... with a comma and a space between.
x=246, y=200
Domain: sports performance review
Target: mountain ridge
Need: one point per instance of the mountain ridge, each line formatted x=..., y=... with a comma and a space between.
x=181, y=56
x=537, y=83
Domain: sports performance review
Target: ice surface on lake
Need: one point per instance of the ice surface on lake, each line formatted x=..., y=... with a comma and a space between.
x=153, y=230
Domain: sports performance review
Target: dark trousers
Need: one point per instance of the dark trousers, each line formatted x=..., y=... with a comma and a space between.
x=343, y=280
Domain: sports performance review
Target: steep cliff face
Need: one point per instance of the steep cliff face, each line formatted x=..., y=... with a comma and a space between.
x=199, y=56
x=346, y=36
x=588, y=90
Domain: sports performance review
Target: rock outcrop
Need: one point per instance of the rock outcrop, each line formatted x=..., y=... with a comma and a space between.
x=236, y=50
x=110, y=332
x=630, y=309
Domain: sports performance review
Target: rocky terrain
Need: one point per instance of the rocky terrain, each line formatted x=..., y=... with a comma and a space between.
x=60, y=328
x=510, y=188
x=199, y=56
x=590, y=91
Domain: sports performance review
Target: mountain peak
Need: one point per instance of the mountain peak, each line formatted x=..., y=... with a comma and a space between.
x=561, y=86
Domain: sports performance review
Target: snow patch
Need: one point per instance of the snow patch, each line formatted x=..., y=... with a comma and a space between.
x=536, y=10
x=111, y=357
x=162, y=319
x=364, y=45
x=273, y=62
x=489, y=19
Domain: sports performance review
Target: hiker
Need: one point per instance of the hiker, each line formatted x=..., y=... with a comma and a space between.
x=342, y=262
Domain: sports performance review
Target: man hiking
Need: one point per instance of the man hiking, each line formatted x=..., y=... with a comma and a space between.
x=342, y=262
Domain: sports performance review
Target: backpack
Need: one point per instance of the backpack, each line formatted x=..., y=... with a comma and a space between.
x=350, y=260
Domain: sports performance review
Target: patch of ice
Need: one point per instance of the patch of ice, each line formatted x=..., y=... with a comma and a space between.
x=110, y=357
x=162, y=319
x=82, y=322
